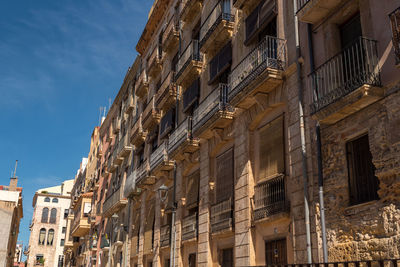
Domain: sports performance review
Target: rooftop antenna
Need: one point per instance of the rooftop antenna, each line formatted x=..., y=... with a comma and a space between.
x=15, y=169
x=109, y=103
x=104, y=111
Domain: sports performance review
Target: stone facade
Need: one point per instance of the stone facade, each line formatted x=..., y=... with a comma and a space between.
x=228, y=122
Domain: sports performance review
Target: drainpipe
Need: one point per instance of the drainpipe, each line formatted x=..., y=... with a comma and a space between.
x=302, y=137
x=319, y=156
x=173, y=234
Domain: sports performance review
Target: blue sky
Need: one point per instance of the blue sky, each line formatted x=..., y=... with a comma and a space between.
x=59, y=62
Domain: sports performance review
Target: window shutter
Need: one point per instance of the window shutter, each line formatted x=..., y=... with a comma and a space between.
x=267, y=12
x=221, y=62
x=213, y=68
x=148, y=234
x=271, y=153
x=167, y=122
x=192, y=190
x=191, y=95
x=251, y=23
x=225, y=178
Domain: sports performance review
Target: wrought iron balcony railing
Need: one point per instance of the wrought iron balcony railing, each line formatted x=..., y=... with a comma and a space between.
x=151, y=115
x=221, y=216
x=142, y=84
x=216, y=101
x=168, y=92
x=221, y=13
x=114, y=201
x=189, y=227
x=171, y=33
x=180, y=134
x=301, y=4
x=124, y=146
x=130, y=185
x=191, y=53
x=130, y=103
x=270, y=53
x=355, y=66
x=395, y=23
x=138, y=134
x=159, y=155
x=155, y=62
x=165, y=235
x=142, y=171
x=270, y=198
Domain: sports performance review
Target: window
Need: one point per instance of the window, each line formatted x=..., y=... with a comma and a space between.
x=53, y=215
x=50, y=237
x=191, y=97
x=275, y=252
x=192, y=190
x=167, y=263
x=220, y=63
x=42, y=236
x=259, y=18
x=192, y=260
x=65, y=213
x=141, y=154
x=226, y=257
x=167, y=122
x=39, y=259
x=47, y=199
x=60, y=260
x=55, y=200
x=62, y=242
x=224, y=183
x=363, y=184
x=271, y=149
x=64, y=229
x=45, y=215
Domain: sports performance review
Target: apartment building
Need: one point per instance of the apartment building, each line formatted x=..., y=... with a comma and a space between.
x=10, y=216
x=227, y=128
x=351, y=76
x=48, y=225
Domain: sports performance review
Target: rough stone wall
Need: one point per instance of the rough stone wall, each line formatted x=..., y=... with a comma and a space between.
x=370, y=230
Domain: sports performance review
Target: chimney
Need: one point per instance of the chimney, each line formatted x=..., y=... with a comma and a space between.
x=14, y=179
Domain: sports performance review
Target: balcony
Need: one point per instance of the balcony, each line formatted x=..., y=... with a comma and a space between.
x=346, y=83
x=221, y=217
x=167, y=95
x=151, y=115
x=130, y=103
x=114, y=202
x=181, y=141
x=98, y=209
x=217, y=29
x=116, y=158
x=314, y=11
x=105, y=243
x=159, y=160
x=270, y=198
x=189, y=227
x=142, y=84
x=124, y=146
x=260, y=71
x=99, y=151
x=213, y=112
x=247, y=5
x=165, y=236
x=190, y=64
x=395, y=22
x=110, y=134
x=138, y=135
x=155, y=61
x=170, y=38
x=116, y=124
x=81, y=224
x=189, y=9
x=130, y=188
x=111, y=167
x=143, y=175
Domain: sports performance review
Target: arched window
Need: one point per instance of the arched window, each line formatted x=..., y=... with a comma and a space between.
x=50, y=237
x=53, y=215
x=47, y=199
x=45, y=215
x=42, y=236
x=55, y=200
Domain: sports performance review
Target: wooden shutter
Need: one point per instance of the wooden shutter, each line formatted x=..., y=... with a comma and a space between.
x=259, y=18
x=192, y=190
x=167, y=122
x=220, y=62
x=226, y=257
x=213, y=68
x=271, y=149
x=225, y=178
x=191, y=95
x=275, y=252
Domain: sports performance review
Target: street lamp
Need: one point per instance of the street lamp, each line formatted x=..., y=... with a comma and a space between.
x=114, y=220
x=163, y=192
